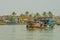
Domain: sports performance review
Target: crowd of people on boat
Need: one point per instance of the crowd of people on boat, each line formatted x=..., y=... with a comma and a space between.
x=43, y=23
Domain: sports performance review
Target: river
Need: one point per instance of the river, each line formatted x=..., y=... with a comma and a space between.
x=19, y=32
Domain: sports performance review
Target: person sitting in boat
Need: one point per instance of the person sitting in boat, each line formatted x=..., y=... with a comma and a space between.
x=42, y=23
x=45, y=23
x=50, y=23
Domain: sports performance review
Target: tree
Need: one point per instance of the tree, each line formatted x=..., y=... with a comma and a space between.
x=30, y=16
x=26, y=13
x=34, y=16
x=50, y=14
x=22, y=15
x=13, y=14
x=37, y=15
x=44, y=14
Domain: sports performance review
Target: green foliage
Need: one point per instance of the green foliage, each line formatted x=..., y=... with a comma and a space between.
x=26, y=13
x=30, y=16
x=37, y=15
x=50, y=13
x=13, y=13
x=44, y=14
x=21, y=15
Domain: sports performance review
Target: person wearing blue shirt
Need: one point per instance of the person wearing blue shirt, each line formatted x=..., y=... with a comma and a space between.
x=50, y=23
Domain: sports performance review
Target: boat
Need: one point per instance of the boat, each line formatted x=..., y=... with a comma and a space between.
x=37, y=25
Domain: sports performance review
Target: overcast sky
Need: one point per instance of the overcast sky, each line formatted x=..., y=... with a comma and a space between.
x=20, y=6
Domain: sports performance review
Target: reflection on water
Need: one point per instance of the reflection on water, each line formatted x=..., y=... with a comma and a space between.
x=41, y=35
x=19, y=32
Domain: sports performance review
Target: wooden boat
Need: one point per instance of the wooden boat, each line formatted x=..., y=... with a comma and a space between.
x=37, y=25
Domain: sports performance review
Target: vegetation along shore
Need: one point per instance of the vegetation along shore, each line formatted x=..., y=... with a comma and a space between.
x=13, y=19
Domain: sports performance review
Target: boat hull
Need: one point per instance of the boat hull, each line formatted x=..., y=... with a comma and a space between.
x=37, y=27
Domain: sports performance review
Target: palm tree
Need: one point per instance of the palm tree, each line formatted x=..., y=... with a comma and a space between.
x=13, y=14
x=30, y=16
x=26, y=13
x=50, y=14
x=37, y=15
x=21, y=15
x=44, y=14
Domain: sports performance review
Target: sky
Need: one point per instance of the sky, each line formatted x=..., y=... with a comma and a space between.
x=33, y=6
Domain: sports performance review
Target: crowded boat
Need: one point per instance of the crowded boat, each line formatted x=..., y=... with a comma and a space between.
x=40, y=24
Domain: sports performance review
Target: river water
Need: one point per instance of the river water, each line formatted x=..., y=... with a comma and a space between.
x=19, y=32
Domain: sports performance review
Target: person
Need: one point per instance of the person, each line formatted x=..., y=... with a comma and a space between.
x=27, y=26
x=45, y=23
x=41, y=23
x=50, y=23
